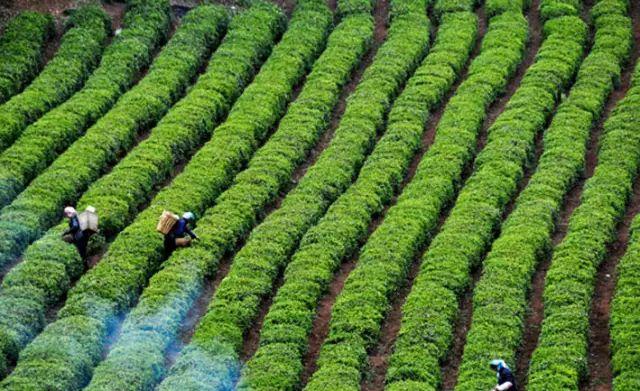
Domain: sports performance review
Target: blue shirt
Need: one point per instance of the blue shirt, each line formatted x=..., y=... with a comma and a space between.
x=181, y=228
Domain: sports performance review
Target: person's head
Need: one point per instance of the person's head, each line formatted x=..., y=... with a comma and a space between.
x=190, y=217
x=497, y=365
x=70, y=212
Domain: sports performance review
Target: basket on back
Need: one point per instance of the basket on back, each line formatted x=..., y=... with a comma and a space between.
x=166, y=222
x=88, y=220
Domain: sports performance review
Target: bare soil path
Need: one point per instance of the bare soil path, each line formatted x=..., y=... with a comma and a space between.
x=196, y=312
x=599, y=367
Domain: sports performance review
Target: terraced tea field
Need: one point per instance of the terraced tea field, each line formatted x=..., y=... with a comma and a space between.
x=387, y=194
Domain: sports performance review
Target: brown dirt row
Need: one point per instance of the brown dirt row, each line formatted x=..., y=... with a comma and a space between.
x=252, y=338
x=199, y=309
x=599, y=368
x=600, y=375
x=7, y=268
x=333, y=5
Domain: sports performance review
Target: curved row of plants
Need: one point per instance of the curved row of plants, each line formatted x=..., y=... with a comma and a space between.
x=217, y=341
x=74, y=344
x=349, y=218
x=361, y=306
x=78, y=54
x=560, y=359
x=21, y=51
x=147, y=24
x=154, y=323
x=431, y=308
x=278, y=363
x=50, y=265
x=500, y=297
x=38, y=207
x=625, y=317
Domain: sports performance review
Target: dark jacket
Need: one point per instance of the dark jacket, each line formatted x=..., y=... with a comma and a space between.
x=74, y=228
x=181, y=228
x=505, y=375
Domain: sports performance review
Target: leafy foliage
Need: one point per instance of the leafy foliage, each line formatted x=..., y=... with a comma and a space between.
x=169, y=73
x=278, y=365
x=39, y=206
x=113, y=286
x=147, y=24
x=360, y=307
x=171, y=292
x=77, y=56
x=21, y=50
x=118, y=195
x=432, y=306
x=500, y=298
x=560, y=360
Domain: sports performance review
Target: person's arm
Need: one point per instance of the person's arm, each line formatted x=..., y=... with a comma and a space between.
x=190, y=232
x=73, y=227
x=504, y=386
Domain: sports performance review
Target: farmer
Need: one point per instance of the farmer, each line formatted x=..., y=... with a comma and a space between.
x=74, y=234
x=506, y=380
x=176, y=237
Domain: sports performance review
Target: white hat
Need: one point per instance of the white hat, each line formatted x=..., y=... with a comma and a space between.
x=70, y=211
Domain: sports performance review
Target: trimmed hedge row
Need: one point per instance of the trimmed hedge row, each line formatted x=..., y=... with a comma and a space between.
x=76, y=341
x=497, y=7
x=21, y=50
x=625, y=318
x=560, y=360
x=40, y=143
x=278, y=362
x=432, y=305
x=170, y=73
x=154, y=322
x=49, y=265
x=360, y=308
x=444, y=7
x=550, y=9
x=78, y=54
x=500, y=297
x=349, y=218
x=356, y=7
x=38, y=207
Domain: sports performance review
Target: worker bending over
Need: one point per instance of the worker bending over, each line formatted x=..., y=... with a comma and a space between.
x=506, y=380
x=74, y=234
x=180, y=234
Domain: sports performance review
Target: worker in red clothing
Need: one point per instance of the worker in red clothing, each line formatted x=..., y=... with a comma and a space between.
x=506, y=380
